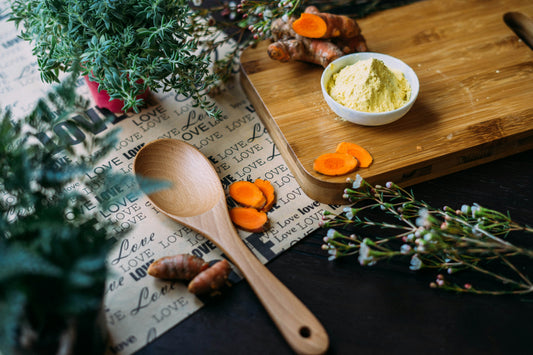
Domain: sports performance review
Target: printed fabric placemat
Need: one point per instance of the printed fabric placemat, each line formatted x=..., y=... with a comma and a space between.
x=138, y=307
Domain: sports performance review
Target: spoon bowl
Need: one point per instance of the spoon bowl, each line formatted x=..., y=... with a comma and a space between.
x=197, y=200
x=193, y=193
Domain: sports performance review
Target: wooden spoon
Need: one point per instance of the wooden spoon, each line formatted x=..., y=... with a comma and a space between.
x=197, y=200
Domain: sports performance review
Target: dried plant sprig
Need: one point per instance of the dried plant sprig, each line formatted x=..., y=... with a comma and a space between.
x=471, y=238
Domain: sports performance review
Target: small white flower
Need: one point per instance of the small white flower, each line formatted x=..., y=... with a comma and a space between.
x=420, y=248
x=364, y=254
x=405, y=249
x=475, y=210
x=416, y=263
x=357, y=182
x=267, y=14
x=285, y=17
x=423, y=219
x=197, y=2
x=349, y=213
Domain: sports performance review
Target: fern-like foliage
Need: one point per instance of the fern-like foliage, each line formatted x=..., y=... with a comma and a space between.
x=52, y=251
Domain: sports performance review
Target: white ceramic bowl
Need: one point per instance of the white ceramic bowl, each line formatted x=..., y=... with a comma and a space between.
x=369, y=118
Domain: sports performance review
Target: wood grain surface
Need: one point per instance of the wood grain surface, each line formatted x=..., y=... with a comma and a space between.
x=474, y=105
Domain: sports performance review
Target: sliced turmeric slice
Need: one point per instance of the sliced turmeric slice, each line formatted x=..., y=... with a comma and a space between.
x=334, y=164
x=268, y=190
x=247, y=194
x=315, y=24
x=310, y=26
x=249, y=219
x=360, y=153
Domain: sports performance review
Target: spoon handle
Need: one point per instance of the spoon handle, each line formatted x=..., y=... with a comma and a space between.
x=300, y=328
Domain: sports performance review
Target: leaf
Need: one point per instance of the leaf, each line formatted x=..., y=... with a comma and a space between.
x=16, y=261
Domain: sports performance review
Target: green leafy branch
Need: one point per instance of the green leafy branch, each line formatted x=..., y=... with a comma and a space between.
x=53, y=251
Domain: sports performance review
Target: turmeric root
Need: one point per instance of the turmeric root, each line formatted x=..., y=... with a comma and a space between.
x=268, y=190
x=291, y=43
x=281, y=30
x=211, y=280
x=314, y=51
x=177, y=267
x=351, y=45
x=203, y=278
x=247, y=194
x=360, y=153
x=287, y=50
x=249, y=219
x=315, y=24
x=334, y=164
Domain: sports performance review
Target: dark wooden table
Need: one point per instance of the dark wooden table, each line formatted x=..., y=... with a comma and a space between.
x=383, y=309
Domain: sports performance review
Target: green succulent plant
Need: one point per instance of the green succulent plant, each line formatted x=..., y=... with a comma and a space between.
x=126, y=46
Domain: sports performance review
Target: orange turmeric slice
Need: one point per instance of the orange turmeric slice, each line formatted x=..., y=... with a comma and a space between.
x=360, y=153
x=249, y=219
x=334, y=164
x=310, y=26
x=315, y=24
x=268, y=190
x=247, y=194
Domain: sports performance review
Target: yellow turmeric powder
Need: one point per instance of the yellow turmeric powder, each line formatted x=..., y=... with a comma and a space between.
x=369, y=86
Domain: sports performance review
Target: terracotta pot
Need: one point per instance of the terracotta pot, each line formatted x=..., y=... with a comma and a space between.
x=102, y=98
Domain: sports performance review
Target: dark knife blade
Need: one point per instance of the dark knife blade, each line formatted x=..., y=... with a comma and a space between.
x=521, y=25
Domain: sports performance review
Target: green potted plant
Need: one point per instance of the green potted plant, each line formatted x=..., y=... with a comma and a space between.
x=129, y=46
x=53, y=251
x=124, y=46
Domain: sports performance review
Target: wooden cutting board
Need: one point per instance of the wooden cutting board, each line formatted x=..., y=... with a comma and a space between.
x=475, y=103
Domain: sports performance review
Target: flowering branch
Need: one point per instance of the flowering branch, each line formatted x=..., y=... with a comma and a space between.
x=473, y=238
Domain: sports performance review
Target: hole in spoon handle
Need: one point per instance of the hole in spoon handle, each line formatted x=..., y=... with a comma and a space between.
x=300, y=328
x=305, y=332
